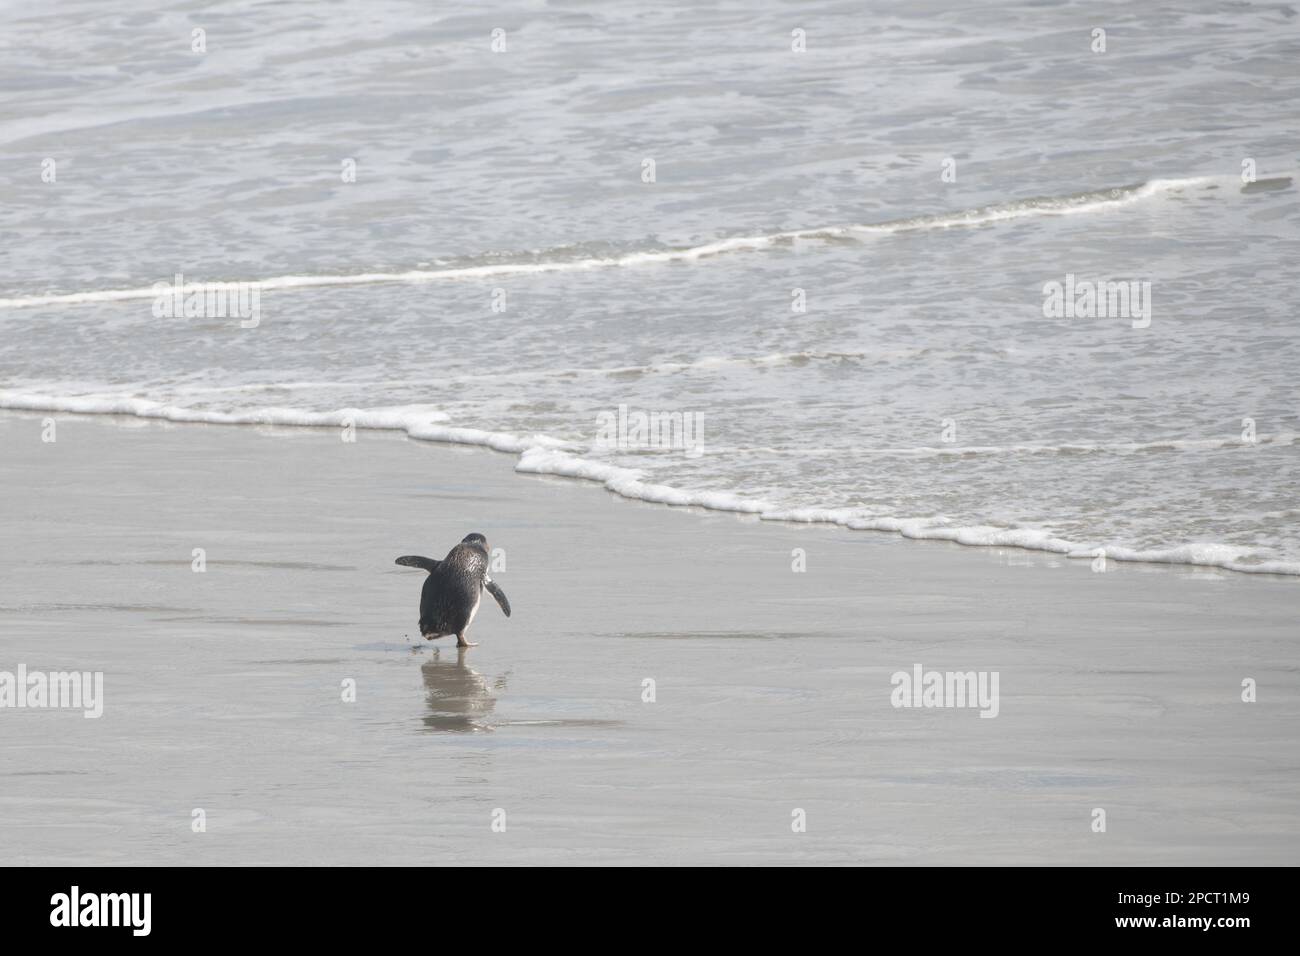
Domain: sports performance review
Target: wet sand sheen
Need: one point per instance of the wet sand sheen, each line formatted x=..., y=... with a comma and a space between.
x=1118, y=690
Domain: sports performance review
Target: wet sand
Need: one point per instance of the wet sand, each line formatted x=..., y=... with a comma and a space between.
x=223, y=689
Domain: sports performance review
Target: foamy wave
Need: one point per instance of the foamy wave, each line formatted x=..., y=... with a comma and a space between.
x=543, y=455
x=998, y=212
x=1224, y=556
x=627, y=482
x=419, y=422
x=146, y=408
x=1041, y=206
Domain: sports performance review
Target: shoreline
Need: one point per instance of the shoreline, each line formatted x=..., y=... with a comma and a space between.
x=546, y=457
x=772, y=687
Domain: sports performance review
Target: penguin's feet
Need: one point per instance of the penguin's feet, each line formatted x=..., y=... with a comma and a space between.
x=461, y=642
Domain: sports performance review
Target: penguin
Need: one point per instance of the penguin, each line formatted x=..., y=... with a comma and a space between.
x=453, y=589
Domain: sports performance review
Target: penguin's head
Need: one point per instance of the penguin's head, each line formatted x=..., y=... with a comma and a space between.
x=476, y=540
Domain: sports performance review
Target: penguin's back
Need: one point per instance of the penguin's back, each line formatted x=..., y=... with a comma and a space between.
x=452, y=591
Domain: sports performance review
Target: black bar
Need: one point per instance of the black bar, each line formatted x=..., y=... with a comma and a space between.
x=207, y=905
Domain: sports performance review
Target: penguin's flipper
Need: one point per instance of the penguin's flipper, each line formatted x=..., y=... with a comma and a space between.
x=415, y=561
x=494, y=589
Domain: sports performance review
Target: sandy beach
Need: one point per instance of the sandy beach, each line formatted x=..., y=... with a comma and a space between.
x=223, y=690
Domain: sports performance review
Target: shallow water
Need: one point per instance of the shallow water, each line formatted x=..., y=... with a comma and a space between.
x=227, y=691
x=923, y=390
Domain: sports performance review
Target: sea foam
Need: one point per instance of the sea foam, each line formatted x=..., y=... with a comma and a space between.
x=540, y=454
x=1074, y=204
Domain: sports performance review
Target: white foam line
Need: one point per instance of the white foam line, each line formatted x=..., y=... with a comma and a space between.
x=1223, y=556
x=1048, y=206
x=543, y=455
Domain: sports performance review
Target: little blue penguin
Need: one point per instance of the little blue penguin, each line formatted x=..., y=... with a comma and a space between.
x=453, y=589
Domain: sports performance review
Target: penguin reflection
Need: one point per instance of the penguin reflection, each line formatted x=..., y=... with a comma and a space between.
x=459, y=697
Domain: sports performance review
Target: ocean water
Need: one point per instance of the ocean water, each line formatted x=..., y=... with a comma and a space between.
x=500, y=271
